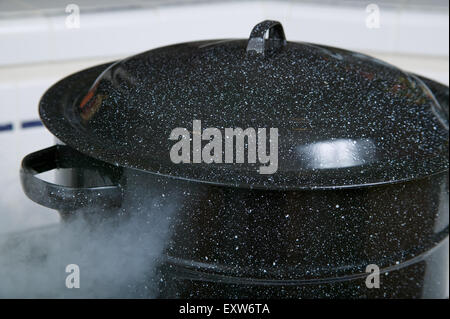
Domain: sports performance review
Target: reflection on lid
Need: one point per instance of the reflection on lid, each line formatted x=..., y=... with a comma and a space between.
x=337, y=153
x=114, y=79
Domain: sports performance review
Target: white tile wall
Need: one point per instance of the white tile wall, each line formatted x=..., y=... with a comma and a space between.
x=44, y=36
x=36, y=50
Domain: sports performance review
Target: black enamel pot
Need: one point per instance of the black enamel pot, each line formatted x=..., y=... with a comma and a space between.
x=361, y=175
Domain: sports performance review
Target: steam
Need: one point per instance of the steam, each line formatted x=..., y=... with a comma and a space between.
x=117, y=256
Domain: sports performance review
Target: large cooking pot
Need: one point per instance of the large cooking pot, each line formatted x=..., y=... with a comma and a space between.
x=359, y=180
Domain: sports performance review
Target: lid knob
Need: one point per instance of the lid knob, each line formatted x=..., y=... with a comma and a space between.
x=275, y=41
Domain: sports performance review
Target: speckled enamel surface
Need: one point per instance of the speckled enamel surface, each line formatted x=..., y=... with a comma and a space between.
x=228, y=242
x=386, y=122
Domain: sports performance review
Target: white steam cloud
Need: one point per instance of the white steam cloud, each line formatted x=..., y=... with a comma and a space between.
x=117, y=257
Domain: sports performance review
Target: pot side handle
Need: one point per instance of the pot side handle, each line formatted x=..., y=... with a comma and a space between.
x=65, y=198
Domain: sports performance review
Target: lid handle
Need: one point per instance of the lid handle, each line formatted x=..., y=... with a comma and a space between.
x=275, y=41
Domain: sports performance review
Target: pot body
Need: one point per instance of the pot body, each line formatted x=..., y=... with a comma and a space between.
x=226, y=242
x=382, y=233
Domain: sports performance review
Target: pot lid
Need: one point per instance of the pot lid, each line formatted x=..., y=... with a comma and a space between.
x=310, y=116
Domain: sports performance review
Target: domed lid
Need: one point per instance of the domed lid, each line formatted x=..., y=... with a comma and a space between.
x=310, y=116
